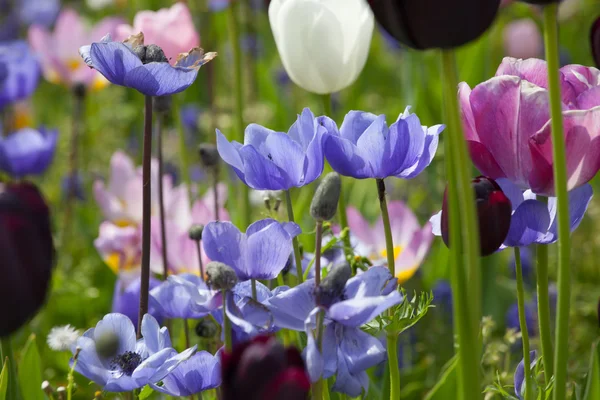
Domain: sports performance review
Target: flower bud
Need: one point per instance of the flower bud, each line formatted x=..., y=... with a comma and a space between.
x=595, y=41
x=264, y=369
x=425, y=24
x=221, y=276
x=325, y=201
x=332, y=286
x=494, y=212
x=107, y=345
x=27, y=254
x=195, y=232
x=209, y=155
x=206, y=328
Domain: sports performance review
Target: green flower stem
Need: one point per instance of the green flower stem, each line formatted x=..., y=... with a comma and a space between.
x=318, y=240
x=543, y=305
x=226, y=324
x=562, y=202
x=297, y=257
x=464, y=238
x=389, y=242
x=343, y=217
x=146, y=212
x=321, y=384
x=523, y=324
x=7, y=354
x=392, y=353
x=71, y=377
x=253, y=286
x=238, y=90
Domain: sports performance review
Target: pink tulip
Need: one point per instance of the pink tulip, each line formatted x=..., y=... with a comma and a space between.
x=522, y=39
x=170, y=28
x=59, y=50
x=507, y=124
x=411, y=241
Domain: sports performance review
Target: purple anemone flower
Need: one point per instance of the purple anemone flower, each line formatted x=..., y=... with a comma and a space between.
x=27, y=151
x=184, y=296
x=520, y=375
x=270, y=160
x=533, y=221
x=260, y=253
x=112, y=357
x=507, y=124
x=144, y=68
x=126, y=299
x=364, y=146
x=19, y=72
x=347, y=351
x=200, y=372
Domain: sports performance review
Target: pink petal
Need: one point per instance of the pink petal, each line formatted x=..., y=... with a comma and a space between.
x=582, y=136
x=360, y=227
x=403, y=223
x=104, y=27
x=588, y=99
x=414, y=254
x=580, y=78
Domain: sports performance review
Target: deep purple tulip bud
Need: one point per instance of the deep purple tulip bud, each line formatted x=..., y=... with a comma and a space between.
x=595, y=41
x=263, y=369
x=425, y=24
x=27, y=254
x=493, y=212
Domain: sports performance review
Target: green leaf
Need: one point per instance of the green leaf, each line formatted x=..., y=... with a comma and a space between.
x=445, y=388
x=30, y=372
x=145, y=393
x=4, y=380
x=592, y=389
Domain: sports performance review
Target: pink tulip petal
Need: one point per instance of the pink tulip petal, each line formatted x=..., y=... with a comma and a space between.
x=360, y=227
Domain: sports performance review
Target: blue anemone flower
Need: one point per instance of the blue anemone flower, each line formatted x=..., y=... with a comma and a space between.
x=111, y=356
x=347, y=351
x=27, y=151
x=184, y=296
x=364, y=146
x=200, y=372
x=519, y=377
x=144, y=68
x=270, y=160
x=19, y=72
x=260, y=253
x=126, y=299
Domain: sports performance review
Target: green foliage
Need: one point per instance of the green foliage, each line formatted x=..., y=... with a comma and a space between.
x=4, y=380
x=30, y=371
x=592, y=388
x=445, y=387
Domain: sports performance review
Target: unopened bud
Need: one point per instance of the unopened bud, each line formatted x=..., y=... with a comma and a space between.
x=209, y=155
x=107, y=345
x=206, y=328
x=195, y=232
x=47, y=388
x=162, y=104
x=221, y=276
x=325, y=201
x=332, y=286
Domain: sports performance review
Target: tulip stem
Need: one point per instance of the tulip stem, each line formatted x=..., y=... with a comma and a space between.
x=562, y=201
x=297, y=257
x=9, y=357
x=543, y=305
x=238, y=89
x=523, y=325
x=200, y=263
x=392, y=353
x=463, y=236
x=161, y=195
x=389, y=240
x=226, y=323
x=318, y=240
x=146, y=212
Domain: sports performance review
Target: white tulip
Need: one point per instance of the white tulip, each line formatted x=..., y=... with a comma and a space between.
x=323, y=44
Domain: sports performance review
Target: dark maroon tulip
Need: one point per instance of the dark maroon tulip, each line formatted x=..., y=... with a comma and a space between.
x=493, y=212
x=595, y=41
x=541, y=2
x=262, y=369
x=27, y=254
x=425, y=24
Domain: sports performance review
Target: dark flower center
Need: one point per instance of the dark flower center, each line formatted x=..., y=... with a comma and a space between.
x=126, y=362
x=150, y=53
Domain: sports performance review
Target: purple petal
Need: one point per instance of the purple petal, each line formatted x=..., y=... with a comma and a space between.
x=376, y=281
x=519, y=377
x=355, y=123
x=348, y=383
x=512, y=191
x=291, y=308
x=528, y=224
x=345, y=158
x=375, y=146
x=200, y=372
x=27, y=151
x=160, y=78
x=361, y=350
x=579, y=199
x=261, y=173
x=360, y=310
x=268, y=252
x=114, y=60
x=304, y=129
x=119, y=325
x=223, y=241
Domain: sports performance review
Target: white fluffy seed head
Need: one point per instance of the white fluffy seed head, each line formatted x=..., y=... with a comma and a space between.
x=62, y=338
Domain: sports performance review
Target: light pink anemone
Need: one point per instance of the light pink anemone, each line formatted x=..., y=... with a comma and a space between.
x=121, y=199
x=170, y=28
x=411, y=241
x=121, y=249
x=507, y=124
x=59, y=50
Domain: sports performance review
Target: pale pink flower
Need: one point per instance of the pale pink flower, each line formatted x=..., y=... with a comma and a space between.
x=120, y=247
x=522, y=39
x=172, y=29
x=59, y=50
x=411, y=241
